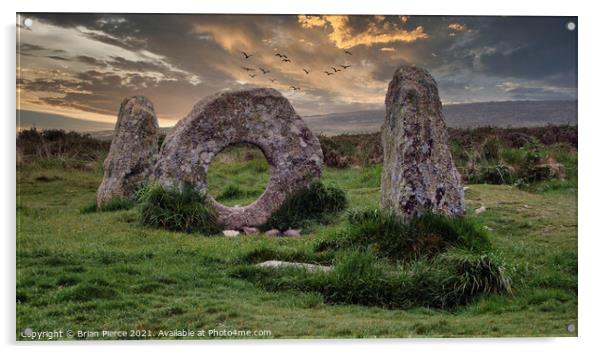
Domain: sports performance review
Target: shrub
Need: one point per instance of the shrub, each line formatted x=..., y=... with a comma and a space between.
x=399, y=239
x=492, y=174
x=177, y=209
x=490, y=150
x=58, y=143
x=312, y=203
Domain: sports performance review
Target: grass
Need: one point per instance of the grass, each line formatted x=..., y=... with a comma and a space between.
x=382, y=260
x=396, y=239
x=244, y=186
x=100, y=271
x=315, y=203
x=178, y=210
x=114, y=204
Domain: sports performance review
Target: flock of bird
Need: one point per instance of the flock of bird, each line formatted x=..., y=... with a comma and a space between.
x=252, y=72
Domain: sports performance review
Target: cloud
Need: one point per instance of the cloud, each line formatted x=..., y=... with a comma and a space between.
x=457, y=27
x=175, y=60
x=379, y=31
x=312, y=21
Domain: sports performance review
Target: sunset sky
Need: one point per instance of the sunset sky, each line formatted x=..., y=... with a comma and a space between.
x=83, y=65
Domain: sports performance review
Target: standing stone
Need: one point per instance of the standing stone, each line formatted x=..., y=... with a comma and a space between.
x=418, y=171
x=261, y=117
x=133, y=150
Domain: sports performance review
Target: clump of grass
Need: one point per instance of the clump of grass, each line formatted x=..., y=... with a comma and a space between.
x=89, y=208
x=89, y=291
x=398, y=239
x=360, y=277
x=177, y=209
x=473, y=274
x=231, y=192
x=117, y=203
x=497, y=173
x=313, y=203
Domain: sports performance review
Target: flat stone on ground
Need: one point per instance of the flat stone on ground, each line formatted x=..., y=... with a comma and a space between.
x=307, y=266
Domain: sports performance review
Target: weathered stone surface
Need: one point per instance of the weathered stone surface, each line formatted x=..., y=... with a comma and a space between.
x=418, y=171
x=292, y=232
x=133, y=150
x=307, y=266
x=273, y=232
x=262, y=117
x=231, y=233
x=250, y=230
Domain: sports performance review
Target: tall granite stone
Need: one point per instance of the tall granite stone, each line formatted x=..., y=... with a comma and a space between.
x=418, y=171
x=133, y=151
x=261, y=117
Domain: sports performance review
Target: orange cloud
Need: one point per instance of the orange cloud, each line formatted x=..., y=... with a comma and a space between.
x=387, y=49
x=311, y=21
x=457, y=27
x=233, y=39
x=378, y=32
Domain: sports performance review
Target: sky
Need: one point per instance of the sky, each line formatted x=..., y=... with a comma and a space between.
x=84, y=65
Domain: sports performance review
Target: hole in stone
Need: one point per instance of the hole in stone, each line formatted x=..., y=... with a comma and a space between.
x=238, y=175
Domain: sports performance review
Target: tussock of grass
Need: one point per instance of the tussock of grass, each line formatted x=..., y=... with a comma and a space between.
x=89, y=291
x=397, y=239
x=313, y=203
x=381, y=260
x=173, y=209
x=452, y=279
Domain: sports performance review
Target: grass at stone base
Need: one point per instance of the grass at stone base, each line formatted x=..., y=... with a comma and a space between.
x=102, y=271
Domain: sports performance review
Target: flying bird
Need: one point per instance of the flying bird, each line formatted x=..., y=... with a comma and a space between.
x=294, y=88
x=264, y=70
x=280, y=55
x=286, y=60
x=335, y=69
x=327, y=73
x=348, y=52
x=247, y=69
x=252, y=75
x=247, y=56
x=306, y=71
x=272, y=80
x=344, y=66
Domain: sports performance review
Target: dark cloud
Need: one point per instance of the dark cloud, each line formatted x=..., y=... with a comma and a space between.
x=57, y=57
x=90, y=60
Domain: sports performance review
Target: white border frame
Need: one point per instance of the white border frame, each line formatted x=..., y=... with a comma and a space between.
x=589, y=195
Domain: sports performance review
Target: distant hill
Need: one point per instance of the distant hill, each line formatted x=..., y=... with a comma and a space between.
x=468, y=115
x=43, y=120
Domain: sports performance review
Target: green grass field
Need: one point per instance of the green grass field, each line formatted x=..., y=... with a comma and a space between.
x=103, y=271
